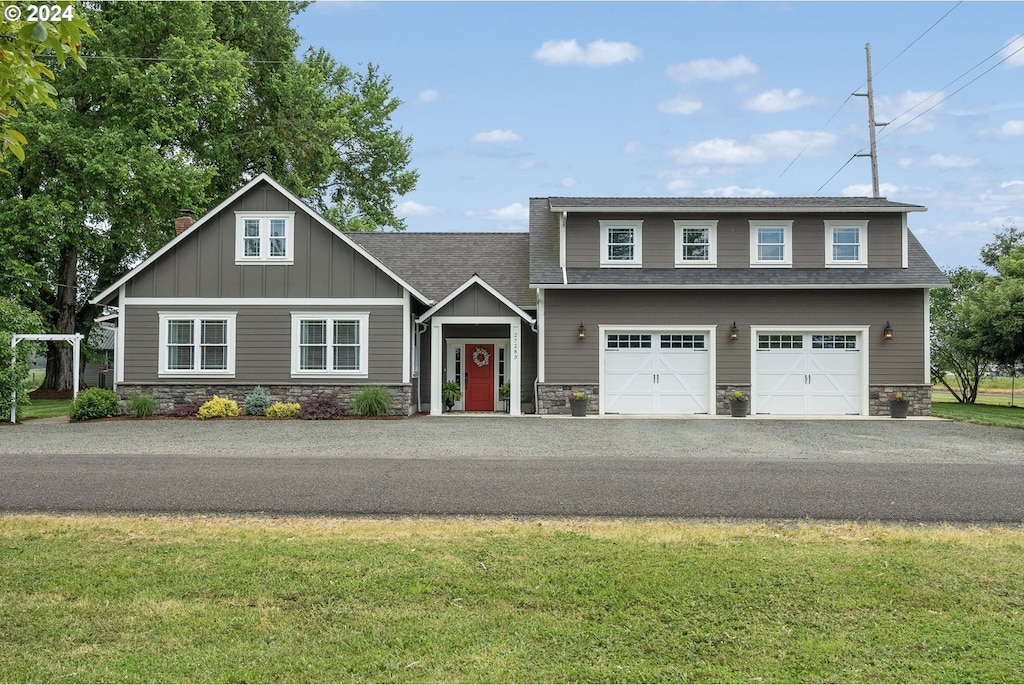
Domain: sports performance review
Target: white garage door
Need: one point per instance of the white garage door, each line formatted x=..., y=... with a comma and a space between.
x=655, y=373
x=802, y=373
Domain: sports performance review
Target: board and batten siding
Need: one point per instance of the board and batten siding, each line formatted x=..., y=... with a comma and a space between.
x=583, y=239
x=203, y=264
x=263, y=344
x=475, y=301
x=571, y=360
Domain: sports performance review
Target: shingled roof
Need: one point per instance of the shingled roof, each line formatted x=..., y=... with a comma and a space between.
x=438, y=263
x=725, y=204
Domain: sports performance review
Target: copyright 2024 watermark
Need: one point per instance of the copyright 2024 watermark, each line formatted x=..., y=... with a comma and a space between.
x=39, y=12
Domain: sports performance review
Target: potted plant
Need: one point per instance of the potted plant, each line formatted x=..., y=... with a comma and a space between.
x=524, y=406
x=451, y=393
x=898, y=406
x=739, y=403
x=578, y=401
x=503, y=393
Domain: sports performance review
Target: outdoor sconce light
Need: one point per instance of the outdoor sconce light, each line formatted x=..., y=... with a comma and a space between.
x=887, y=331
x=734, y=333
x=581, y=331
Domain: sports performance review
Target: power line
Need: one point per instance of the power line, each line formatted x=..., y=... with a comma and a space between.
x=900, y=53
x=852, y=157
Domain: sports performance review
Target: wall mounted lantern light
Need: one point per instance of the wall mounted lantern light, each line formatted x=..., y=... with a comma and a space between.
x=887, y=331
x=581, y=332
x=734, y=333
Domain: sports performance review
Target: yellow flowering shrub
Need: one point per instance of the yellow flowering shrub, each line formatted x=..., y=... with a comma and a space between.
x=218, y=406
x=283, y=410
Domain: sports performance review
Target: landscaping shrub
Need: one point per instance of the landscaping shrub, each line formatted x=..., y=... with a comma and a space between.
x=186, y=410
x=217, y=407
x=373, y=400
x=324, y=406
x=283, y=410
x=256, y=402
x=94, y=403
x=142, y=405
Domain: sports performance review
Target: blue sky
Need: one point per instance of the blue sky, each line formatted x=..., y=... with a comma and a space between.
x=507, y=101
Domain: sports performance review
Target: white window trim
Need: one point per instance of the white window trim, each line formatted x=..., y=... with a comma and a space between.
x=264, y=219
x=165, y=372
x=787, y=248
x=862, y=262
x=638, y=244
x=712, y=260
x=364, y=343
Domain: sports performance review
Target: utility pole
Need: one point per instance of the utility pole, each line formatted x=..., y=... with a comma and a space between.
x=872, y=125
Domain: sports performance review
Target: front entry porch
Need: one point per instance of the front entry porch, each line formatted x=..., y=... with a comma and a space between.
x=484, y=356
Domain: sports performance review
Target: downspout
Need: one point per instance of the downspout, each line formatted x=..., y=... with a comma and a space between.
x=561, y=246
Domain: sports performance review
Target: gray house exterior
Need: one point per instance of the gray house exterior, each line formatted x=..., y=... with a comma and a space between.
x=650, y=305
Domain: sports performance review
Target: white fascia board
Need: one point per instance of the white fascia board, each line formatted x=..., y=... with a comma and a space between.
x=234, y=196
x=561, y=245
x=734, y=210
x=475, y=279
x=755, y=286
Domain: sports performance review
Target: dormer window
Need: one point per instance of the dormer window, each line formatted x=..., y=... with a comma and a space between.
x=264, y=237
x=846, y=243
x=621, y=244
x=771, y=243
x=696, y=243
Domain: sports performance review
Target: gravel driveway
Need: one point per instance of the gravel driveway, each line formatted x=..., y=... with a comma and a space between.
x=856, y=440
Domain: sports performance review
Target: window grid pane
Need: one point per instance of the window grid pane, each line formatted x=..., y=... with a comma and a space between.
x=313, y=345
x=780, y=342
x=683, y=341
x=695, y=244
x=771, y=244
x=251, y=237
x=834, y=342
x=213, y=349
x=846, y=244
x=346, y=346
x=622, y=341
x=620, y=244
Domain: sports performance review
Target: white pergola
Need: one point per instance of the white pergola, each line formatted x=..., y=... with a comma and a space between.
x=76, y=344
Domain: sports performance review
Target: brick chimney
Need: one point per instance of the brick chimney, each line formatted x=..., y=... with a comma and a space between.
x=183, y=221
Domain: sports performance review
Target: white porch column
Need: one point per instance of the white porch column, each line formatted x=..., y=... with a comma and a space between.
x=436, y=353
x=515, y=334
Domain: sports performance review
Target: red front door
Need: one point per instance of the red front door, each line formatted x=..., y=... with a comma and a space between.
x=479, y=366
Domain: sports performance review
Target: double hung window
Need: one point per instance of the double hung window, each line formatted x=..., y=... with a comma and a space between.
x=696, y=243
x=330, y=344
x=264, y=237
x=197, y=344
x=771, y=243
x=621, y=243
x=846, y=243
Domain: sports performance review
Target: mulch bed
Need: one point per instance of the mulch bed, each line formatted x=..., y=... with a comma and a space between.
x=44, y=394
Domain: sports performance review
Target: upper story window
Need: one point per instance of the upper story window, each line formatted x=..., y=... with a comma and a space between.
x=197, y=344
x=846, y=243
x=696, y=243
x=771, y=243
x=265, y=237
x=621, y=243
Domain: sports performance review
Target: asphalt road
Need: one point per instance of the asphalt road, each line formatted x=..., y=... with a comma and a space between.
x=835, y=470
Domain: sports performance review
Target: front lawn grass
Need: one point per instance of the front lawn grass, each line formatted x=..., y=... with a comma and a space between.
x=987, y=414
x=44, y=409
x=187, y=599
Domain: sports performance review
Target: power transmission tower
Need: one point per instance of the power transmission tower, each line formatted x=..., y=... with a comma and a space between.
x=872, y=125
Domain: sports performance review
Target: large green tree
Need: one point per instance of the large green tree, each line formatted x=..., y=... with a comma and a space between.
x=180, y=105
x=998, y=314
x=957, y=348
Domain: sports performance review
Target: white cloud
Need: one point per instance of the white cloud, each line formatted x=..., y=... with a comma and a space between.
x=776, y=100
x=411, y=208
x=1016, y=44
x=680, y=105
x=865, y=190
x=598, y=53
x=711, y=69
x=905, y=162
x=1014, y=127
x=634, y=147
x=497, y=136
x=760, y=147
x=429, y=95
x=513, y=213
x=909, y=104
x=567, y=182
x=737, y=191
x=951, y=161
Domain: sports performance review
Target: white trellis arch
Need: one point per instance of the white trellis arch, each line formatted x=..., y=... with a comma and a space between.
x=76, y=345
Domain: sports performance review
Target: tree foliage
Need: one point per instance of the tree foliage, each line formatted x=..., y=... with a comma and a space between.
x=14, y=363
x=25, y=47
x=181, y=104
x=956, y=347
x=998, y=314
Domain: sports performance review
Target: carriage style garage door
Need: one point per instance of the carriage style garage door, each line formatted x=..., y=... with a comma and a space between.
x=807, y=373
x=655, y=373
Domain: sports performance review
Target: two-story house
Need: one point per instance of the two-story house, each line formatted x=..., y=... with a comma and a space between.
x=652, y=306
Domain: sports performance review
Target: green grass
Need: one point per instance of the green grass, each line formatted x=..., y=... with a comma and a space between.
x=216, y=600
x=45, y=409
x=987, y=414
